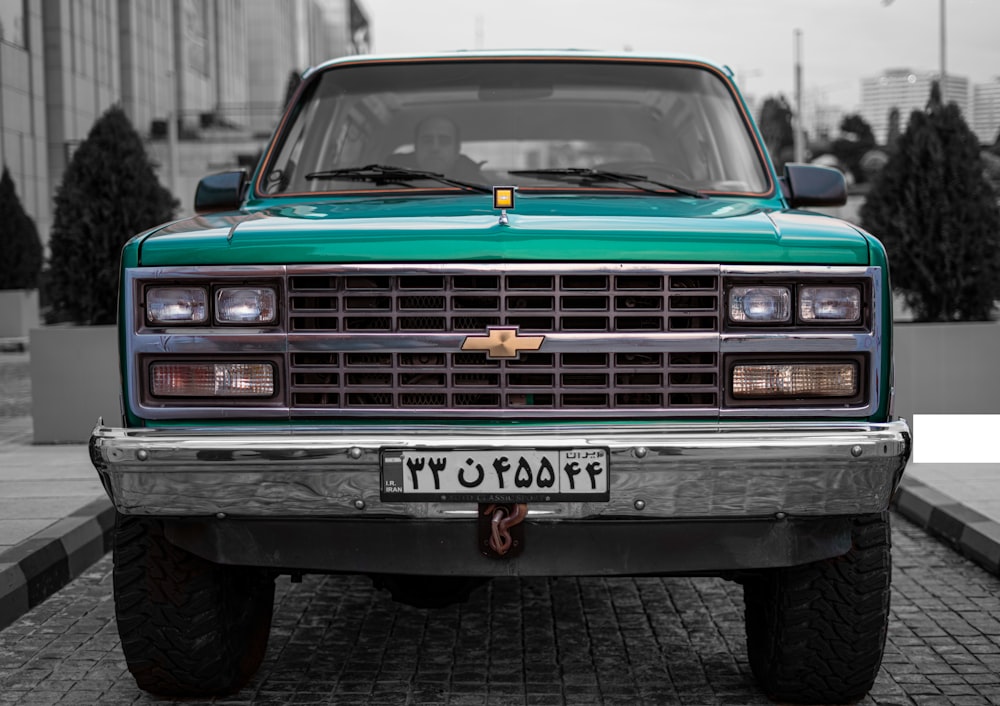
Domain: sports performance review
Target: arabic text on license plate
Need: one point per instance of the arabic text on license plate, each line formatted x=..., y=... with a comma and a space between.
x=495, y=475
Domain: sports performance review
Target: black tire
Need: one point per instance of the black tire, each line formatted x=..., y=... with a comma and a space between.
x=189, y=627
x=816, y=633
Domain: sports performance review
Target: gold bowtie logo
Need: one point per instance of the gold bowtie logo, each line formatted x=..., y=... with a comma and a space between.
x=502, y=343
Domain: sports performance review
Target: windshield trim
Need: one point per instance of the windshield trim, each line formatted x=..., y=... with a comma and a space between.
x=259, y=187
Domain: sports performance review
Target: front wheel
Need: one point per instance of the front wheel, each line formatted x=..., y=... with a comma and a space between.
x=189, y=627
x=816, y=633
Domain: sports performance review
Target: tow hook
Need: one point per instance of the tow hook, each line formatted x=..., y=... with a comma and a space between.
x=501, y=532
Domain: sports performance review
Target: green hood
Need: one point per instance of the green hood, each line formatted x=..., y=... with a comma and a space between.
x=465, y=228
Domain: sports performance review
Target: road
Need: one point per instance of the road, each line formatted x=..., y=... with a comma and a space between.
x=336, y=640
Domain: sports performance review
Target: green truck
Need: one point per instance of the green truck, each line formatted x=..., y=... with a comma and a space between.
x=506, y=314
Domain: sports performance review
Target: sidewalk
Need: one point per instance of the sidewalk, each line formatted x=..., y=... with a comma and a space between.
x=958, y=502
x=55, y=520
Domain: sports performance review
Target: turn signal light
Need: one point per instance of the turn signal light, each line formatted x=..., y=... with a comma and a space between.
x=212, y=379
x=776, y=380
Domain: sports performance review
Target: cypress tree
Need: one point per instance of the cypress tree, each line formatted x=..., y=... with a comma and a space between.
x=108, y=194
x=855, y=141
x=22, y=250
x=938, y=217
x=775, y=125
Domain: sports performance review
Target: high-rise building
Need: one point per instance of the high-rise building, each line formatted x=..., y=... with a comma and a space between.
x=272, y=32
x=986, y=111
x=23, y=136
x=81, y=73
x=287, y=38
x=348, y=23
x=146, y=43
x=200, y=64
x=211, y=50
x=906, y=90
x=823, y=120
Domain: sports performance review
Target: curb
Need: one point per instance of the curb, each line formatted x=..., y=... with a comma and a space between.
x=971, y=533
x=39, y=566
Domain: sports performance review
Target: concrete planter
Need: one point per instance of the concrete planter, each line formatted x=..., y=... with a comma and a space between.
x=18, y=313
x=947, y=368
x=74, y=380
x=940, y=369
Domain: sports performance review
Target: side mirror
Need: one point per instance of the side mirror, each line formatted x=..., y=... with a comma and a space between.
x=220, y=192
x=812, y=185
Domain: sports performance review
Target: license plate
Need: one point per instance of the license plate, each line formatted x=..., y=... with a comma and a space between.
x=495, y=475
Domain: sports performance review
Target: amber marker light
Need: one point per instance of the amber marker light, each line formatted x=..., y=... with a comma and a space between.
x=503, y=197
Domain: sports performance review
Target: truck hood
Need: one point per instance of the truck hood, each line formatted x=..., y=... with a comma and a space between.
x=465, y=228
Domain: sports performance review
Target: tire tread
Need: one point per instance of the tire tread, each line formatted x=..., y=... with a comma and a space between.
x=188, y=627
x=816, y=633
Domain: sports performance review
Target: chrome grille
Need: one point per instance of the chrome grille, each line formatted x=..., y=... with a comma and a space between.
x=471, y=381
x=381, y=340
x=533, y=302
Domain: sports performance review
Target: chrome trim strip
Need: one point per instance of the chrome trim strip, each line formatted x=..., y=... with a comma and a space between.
x=800, y=270
x=242, y=344
x=554, y=342
x=494, y=268
x=680, y=470
x=796, y=342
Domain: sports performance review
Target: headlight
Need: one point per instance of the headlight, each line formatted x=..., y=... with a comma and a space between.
x=830, y=304
x=755, y=304
x=764, y=380
x=245, y=305
x=212, y=379
x=176, y=305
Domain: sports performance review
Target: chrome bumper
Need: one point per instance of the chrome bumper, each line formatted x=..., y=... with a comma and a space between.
x=658, y=470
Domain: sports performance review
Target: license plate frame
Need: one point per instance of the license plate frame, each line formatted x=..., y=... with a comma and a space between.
x=491, y=475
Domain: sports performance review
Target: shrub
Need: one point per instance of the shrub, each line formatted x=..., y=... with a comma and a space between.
x=855, y=141
x=21, y=262
x=108, y=194
x=938, y=217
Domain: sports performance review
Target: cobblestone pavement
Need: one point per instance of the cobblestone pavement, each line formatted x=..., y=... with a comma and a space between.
x=337, y=640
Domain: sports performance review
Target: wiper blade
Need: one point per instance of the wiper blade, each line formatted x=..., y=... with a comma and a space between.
x=388, y=174
x=594, y=175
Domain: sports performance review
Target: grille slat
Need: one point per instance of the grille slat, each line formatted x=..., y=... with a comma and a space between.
x=572, y=301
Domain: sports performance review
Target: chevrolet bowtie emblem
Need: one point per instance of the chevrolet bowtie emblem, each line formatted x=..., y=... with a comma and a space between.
x=502, y=342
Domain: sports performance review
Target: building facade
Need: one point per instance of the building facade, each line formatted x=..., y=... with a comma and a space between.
x=986, y=111
x=289, y=37
x=218, y=69
x=146, y=31
x=81, y=54
x=271, y=32
x=23, y=135
x=906, y=90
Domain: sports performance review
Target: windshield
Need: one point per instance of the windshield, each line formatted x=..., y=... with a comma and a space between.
x=479, y=121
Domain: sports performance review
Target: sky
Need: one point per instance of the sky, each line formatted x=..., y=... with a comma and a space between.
x=842, y=41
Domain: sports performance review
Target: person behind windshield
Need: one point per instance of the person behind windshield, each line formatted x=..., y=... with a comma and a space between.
x=437, y=148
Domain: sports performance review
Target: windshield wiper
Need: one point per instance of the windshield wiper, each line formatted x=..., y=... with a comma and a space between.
x=587, y=175
x=388, y=174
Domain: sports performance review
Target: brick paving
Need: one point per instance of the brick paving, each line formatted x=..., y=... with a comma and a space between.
x=336, y=640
